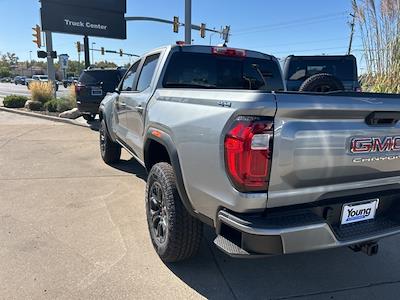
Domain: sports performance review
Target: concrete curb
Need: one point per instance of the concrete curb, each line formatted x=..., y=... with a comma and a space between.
x=40, y=116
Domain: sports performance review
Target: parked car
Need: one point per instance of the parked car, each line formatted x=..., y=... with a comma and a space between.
x=70, y=81
x=40, y=78
x=92, y=86
x=321, y=73
x=20, y=80
x=5, y=79
x=274, y=172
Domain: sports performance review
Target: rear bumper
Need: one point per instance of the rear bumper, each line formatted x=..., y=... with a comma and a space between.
x=88, y=107
x=299, y=231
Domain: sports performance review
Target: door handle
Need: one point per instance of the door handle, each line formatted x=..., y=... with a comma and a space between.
x=139, y=109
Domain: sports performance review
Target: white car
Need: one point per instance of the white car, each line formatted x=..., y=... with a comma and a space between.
x=40, y=78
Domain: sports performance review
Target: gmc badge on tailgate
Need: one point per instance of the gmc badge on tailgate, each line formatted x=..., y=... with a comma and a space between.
x=389, y=144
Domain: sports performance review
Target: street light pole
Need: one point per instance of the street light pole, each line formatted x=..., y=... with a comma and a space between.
x=188, y=22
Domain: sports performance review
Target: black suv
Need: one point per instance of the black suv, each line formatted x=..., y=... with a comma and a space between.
x=92, y=86
x=314, y=73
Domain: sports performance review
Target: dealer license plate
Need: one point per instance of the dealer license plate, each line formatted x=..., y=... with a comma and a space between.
x=97, y=92
x=359, y=211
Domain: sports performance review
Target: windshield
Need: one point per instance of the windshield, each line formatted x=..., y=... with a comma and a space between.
x=43, y=77
x=199, y=70
x=301, y=69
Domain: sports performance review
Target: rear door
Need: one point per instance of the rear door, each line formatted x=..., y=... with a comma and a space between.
x=137, y=100
x=331, y=146
x=97, y=83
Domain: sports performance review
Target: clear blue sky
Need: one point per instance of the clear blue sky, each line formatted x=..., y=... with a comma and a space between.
x=276, y=27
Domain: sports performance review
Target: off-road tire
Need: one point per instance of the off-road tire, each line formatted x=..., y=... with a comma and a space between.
x=322, y=83
x=110, y=151
x=184, y=232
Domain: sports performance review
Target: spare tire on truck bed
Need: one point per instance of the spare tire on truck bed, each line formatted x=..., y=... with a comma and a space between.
x=322, y=83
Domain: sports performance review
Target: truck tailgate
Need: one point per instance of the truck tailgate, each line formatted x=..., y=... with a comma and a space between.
x=325, y=146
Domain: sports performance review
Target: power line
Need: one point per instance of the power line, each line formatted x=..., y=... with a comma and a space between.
x=293, y=22
x=301, y=43
x=319, y=49
x=270, y=28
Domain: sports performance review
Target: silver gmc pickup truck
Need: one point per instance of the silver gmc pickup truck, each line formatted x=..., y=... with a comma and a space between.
x=273, y=172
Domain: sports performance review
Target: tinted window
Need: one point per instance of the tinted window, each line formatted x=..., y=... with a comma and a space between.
x=199, y=70
x=343, y=69
x=130, y=78
x=147, y=73
x=109, y=78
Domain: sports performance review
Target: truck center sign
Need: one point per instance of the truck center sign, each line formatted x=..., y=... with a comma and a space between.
x=101, y=18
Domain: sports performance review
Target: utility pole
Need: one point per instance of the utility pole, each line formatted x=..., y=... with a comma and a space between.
x=188, y=22
x=87, y=51
x=352, y=25
x=51, y=71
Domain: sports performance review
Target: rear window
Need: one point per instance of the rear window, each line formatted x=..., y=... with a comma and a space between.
x=344, y=69
x=199, y=70
x=109, y=78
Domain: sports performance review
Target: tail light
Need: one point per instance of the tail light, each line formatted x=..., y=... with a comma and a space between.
x=248, y=153
x=79, y=87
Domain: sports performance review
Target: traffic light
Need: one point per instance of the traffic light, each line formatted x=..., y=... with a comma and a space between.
x=226, y=33
x=37, y=34
x=176, y=24
x=121, y=52
x=78, y=46
x=203, y=30
x=102, y=50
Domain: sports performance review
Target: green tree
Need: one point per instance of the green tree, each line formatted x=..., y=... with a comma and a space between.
x=5, y=72
x=75, y=67
x=105, y=64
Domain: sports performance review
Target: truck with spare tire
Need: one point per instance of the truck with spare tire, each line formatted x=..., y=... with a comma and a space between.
x=321, y=73
x=272, y=171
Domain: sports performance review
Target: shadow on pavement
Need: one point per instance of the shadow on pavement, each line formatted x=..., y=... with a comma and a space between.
x=94, y=125
x=131, y=166
x=306, y=275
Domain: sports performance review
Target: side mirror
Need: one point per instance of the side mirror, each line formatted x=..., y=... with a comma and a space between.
x=117, y=91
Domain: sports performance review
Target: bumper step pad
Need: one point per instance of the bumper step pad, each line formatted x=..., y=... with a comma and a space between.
x=366, y=228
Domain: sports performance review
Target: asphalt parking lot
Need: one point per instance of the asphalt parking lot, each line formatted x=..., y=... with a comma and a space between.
x=72, y=227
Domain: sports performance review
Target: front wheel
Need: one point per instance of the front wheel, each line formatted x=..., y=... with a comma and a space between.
x=110, y=150
x=175, y=234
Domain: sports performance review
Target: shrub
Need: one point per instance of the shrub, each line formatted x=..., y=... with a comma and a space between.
x=41, y=91
x=14, y=101
x=51, y=106
x=58, y=105
x=65, y=104
x=34, y=105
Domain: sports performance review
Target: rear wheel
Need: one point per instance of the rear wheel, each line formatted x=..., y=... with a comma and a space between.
x=175, y=234
x=110, y=150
